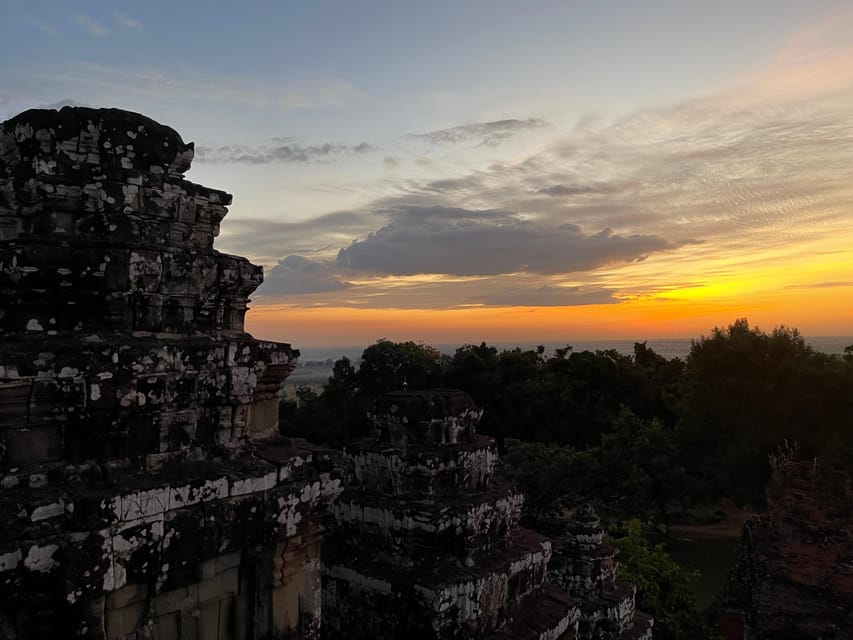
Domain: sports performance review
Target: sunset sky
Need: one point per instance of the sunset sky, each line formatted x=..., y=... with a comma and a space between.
x=503, y=171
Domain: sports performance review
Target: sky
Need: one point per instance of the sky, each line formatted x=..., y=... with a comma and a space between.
x=453, y=172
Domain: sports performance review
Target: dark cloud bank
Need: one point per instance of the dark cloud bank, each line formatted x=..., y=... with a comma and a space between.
x=467, y=243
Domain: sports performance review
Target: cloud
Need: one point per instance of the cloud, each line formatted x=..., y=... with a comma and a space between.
x=716, y=187
x=297, y=275
x=267, y=240
x=454, y=241
x=484, y=133
x=90, y=24
x=821, y=285
x=124, y=20
x=562, y=190
x=278, y=153
x=548, y=296
x=41, y=25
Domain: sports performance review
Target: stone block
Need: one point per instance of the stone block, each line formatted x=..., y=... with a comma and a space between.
x=220, y=585
x=122, y=622
x=116, y=399
x=33, y=444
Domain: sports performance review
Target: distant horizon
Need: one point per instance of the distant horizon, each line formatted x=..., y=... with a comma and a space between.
x=667, y=347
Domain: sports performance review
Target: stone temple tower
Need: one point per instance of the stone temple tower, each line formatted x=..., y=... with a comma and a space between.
x=143, y=490
x=585, y=565
x=425, y=542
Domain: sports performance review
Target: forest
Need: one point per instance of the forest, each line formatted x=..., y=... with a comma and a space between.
x=650, y=441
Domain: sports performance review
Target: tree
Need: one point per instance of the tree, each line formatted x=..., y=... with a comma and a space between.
x=545, y=473
x=745, y=391
x=664, y=588
x=339, y=414
x=389, y=366
x=640, y=460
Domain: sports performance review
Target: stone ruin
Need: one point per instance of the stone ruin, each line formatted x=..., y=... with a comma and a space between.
x=585, y=565
x=793, y=576
x=144, y=491
x=426, y=542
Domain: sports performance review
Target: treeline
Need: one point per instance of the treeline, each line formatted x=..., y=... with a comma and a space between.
x=683, y=430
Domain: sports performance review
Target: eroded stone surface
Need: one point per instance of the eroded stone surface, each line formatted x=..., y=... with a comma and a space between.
x=585, y=566
x=426, y=544
x=143, y=491
x=793, y=577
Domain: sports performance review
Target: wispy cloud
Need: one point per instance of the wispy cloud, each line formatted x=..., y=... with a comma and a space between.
x=43, y=26
x=821, y=285
x=484, y=133
x=548, y=296
x=714, y=186
x=279, y=153
x=126, y=21
x=90, y=24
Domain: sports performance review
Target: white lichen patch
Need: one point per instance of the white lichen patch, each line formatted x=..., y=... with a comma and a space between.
x=40, y=558
x=46, y=511
x=10, y=560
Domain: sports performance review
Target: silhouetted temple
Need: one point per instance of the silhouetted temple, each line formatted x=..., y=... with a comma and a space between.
x=585, y=566
x=426, y=542
x=144, y=491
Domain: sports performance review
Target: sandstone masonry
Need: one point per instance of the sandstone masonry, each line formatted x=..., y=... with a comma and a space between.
x=144, y=491
x=426, y=543
x=793, y=576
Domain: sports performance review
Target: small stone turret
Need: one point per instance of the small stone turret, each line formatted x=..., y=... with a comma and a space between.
x=426, y=543
x=585, y=565
x=143, y=490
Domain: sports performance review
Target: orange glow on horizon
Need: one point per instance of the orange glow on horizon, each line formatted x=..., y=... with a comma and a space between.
x=811, y=290
x=824, y=311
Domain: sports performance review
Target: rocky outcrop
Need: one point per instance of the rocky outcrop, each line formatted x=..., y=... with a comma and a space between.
x=143, y=489
x=793, y=577
x=585, y=565
x=426, y=543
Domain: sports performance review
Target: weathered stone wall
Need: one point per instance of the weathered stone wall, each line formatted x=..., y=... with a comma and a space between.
x=793, y=577
x=426, y=543
x=143, y=490
x=585, y=565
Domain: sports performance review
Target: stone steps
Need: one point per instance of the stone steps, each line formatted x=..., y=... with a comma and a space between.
x=479, y=594
x=437, y=472
x=549, y=615
x=416, y=530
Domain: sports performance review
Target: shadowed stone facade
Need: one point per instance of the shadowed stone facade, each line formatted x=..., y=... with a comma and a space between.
x=144, y=491
x=585, y=565
x=426, y=543
x=793, y=576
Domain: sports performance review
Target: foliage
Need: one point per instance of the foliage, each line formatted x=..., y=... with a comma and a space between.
x=635, y=421
x=339, y=414
x=745, y=391
x=545, y=473
x=388, y=366
x=639, y=461
x=664, y=588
